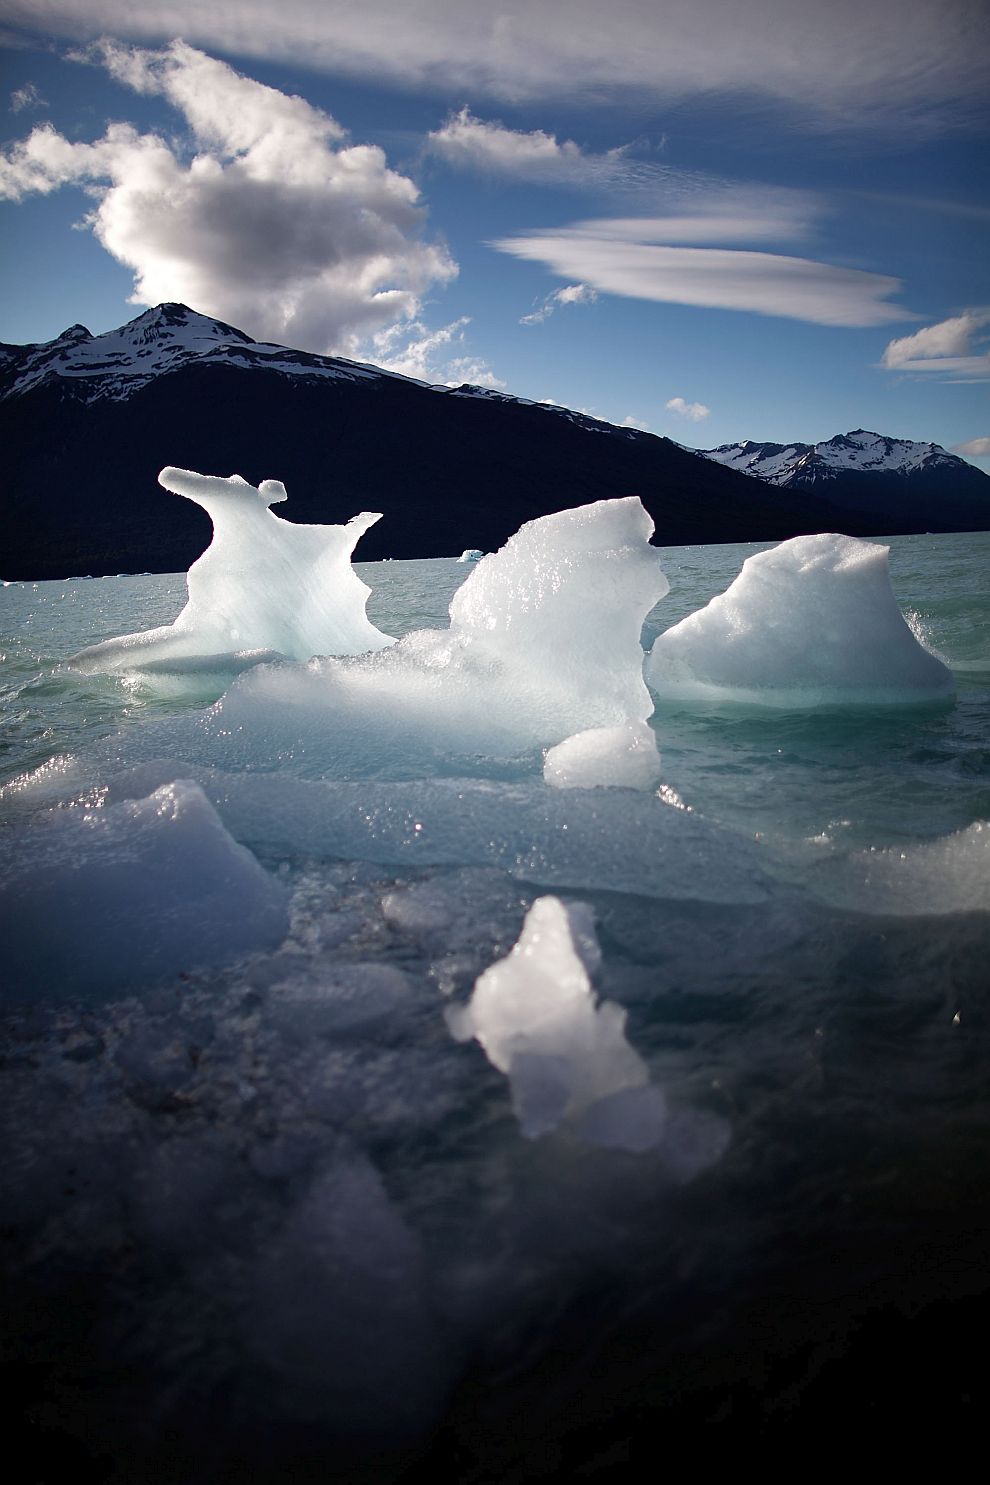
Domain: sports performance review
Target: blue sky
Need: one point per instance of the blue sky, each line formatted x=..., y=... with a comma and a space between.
x=768, y=220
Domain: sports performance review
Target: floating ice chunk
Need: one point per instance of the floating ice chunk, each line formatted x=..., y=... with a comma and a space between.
x=554, y=838
x=544, y=641
x=625, y=757
x=263, y=587
x=96, y=900
x=471, y=554
x=811, y=622
x=535, y=1015
x=948, y=875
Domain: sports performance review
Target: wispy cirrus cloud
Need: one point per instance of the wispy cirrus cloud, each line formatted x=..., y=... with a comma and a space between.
x=949, y=349
x=276, y=222
x=27, y=97
x=415, y=350
x=895, y=62
x=533, y=155
x=648, y=259
x=974, y=448
x=569, y=294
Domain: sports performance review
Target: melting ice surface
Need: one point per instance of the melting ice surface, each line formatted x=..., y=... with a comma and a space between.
x=263, y=587
x=567, y=1058
x=96, y=901
x=719, y=1021
x=543, y=642
x=811, y=622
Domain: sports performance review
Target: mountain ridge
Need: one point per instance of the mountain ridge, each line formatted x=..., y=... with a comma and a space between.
x=88, y=421
x=901, y=481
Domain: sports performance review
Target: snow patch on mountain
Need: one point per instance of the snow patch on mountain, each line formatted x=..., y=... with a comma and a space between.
x=162, y=340
x=857, y=452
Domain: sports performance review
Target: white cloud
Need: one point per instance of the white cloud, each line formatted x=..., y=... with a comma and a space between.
x=630, y=422
x=414, y=350
x=975, y=448
x=26, y=97
x=469, y=143
x=276, y=223
x=949, y=348
x=569, y=294
x=611, y=258
x=695, y=411
x=847, y=60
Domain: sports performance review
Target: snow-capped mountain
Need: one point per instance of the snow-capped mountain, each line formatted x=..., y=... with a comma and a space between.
x=87, y=421
x=802, y=465
x=114, y=366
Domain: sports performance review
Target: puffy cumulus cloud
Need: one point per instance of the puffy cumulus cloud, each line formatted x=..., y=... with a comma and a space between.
x=275, y=223
x=569, y=294
x=895, y=60
x=624, y=257
x=974, y=448
x=695, y=411
x=414, y=350
x=950, y=348
x=469, y=143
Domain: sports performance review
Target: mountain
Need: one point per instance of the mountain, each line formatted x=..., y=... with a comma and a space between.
x=88, y=421
x=918, y=486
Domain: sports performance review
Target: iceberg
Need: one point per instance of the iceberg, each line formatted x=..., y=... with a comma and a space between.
x=263, y=588
x=625, y=757
x=535, y=1016
x=543, y=642
x=96, y=901
x=811, y=622
x=471, y=554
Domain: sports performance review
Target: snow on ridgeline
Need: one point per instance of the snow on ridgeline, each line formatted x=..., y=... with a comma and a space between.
x=115, y=365
x=858, y=452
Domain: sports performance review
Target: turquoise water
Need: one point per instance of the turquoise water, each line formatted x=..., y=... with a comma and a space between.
x=222, y=1196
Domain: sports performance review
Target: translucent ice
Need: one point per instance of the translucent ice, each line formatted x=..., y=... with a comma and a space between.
x=543, y=642
x=263, y=587
x=950, y=874
x=617, y=756
x=96, y=900
x=535, y=1015
x=813, y=621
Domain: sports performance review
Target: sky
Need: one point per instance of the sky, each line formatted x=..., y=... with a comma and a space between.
x=769, y=220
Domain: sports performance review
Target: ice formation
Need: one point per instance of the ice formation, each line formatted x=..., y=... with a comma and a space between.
x=812, y=621
x=534, y=1014
x=264, y=587
x=93, y=901
x=950, y=874
x=543, y=642
x=625, y=757
x=471, y=554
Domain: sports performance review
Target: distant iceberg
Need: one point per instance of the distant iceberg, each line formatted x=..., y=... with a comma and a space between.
x=471, y=554
x=811, y=622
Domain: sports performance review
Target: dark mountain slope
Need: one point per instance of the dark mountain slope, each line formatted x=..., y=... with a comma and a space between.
x=87, y=422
